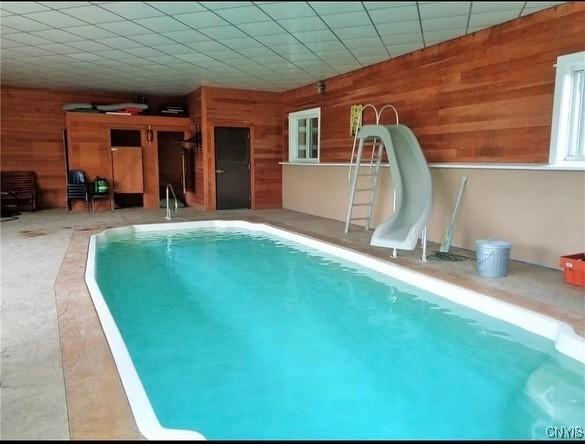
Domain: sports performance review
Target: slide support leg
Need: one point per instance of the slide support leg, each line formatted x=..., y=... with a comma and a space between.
x=423, y=257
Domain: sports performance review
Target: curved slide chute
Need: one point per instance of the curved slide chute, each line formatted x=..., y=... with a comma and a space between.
x=412, y=186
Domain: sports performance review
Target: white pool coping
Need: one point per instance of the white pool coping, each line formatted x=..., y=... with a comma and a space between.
x=564, y=337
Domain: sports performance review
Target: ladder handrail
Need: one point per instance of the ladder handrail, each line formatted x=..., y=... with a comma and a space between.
x=167, y=188
x=358, y=126
x=378, y=115
x=382, y=110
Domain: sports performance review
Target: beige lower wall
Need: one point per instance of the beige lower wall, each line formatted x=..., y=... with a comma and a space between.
x=541, y=212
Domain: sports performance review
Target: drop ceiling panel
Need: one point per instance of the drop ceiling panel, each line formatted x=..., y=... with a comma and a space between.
x=293, y=10
x=171, y=50
x=261, y=28
x=404, y=39
x=303, y=24
x=56, y=35
x=398, y=49
x=394, y=15
x=492, y=18
x=224, y=33
x=444, y=24
x=433, y=37
x=532, y=7
x=429, y=10
x=27, y=39
x=171, y=8
x=92, y=14
x=244, y=14
x=384, y=5
x=88, y=46
x=400, y=28
x=23, y=24
x=241, y=43
x=327, y=46
x=131, y=10
x=225, y=5
x=91, y=32
x=347, y=19
x=162, y=24
x=363, y=44
x=55, y=19
x=6, y=30
x=125, y=28
x=321, y=35
x=355, y=32
x=187, y=36
x=479, y=7
x=5, y=43
x=23, y=7
x=120, y=43
x=172, y=47
x=152, y=39
x=201, y=20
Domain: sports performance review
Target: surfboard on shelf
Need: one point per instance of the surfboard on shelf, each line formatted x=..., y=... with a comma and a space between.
x=121, y=106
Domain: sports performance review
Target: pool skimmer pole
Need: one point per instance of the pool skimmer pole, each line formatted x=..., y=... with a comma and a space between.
x=443, y=253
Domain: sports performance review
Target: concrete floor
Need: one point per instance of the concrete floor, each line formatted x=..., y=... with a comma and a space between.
x=33, y=392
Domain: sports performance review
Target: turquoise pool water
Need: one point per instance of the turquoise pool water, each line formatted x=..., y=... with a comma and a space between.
x=241, y=335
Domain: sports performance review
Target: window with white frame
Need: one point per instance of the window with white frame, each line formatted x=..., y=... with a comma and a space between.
x=568, y=125
x=304, y=128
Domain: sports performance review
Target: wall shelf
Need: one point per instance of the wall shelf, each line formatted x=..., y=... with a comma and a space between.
x=130, y=120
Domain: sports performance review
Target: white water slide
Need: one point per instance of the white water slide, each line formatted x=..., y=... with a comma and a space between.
x=412, y=185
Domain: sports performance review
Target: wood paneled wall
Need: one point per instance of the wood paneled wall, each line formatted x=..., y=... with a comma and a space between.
x=32, y=122
x=194, y=103
x=32, y=139
x=261, y=112
x=485, y=97
x=89, y=145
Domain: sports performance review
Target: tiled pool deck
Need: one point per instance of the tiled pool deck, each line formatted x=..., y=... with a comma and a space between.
x=58, y=377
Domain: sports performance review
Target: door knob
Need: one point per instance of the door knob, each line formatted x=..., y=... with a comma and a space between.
x=219, y=171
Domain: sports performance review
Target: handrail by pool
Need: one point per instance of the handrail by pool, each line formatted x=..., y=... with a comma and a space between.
x=167, y=188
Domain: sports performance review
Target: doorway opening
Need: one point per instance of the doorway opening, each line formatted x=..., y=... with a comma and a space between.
x=170, y=164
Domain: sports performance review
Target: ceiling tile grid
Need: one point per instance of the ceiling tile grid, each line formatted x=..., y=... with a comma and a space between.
x=165, y=47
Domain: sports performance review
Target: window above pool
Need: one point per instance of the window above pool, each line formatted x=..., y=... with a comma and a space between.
x=304, y=131
x=568, y=125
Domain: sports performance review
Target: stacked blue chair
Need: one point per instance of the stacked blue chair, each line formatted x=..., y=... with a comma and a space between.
x=77, y=188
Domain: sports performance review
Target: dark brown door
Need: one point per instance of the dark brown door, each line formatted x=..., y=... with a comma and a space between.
x=232, y=167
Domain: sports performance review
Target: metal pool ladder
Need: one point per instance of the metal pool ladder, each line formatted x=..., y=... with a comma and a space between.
x=167, y=188
x=371, y=187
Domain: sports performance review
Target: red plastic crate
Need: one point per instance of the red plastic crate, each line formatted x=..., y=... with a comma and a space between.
x=574, y=268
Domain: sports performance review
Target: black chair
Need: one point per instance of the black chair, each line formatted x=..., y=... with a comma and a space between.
x=100, y=189
x=77, y=188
